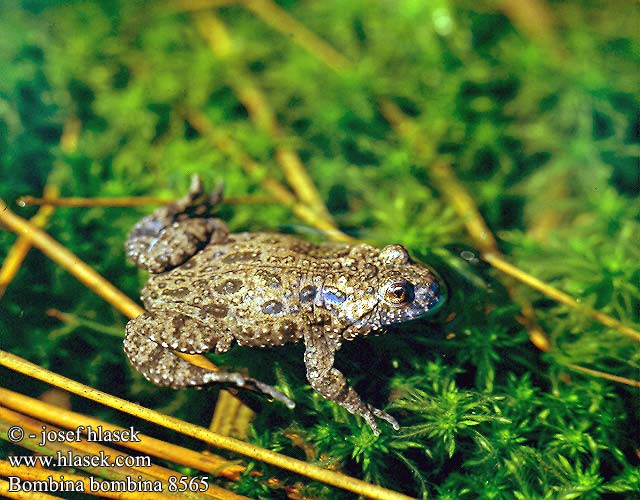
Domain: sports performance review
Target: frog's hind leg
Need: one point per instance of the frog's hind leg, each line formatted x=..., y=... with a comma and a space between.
x=174, y=233
x=149, y=349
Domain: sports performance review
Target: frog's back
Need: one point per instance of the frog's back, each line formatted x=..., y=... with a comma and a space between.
x=258, y=287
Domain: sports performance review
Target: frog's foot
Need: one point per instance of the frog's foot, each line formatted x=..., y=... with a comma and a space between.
x=159, y=364
x=174, y=233
x=349, y=399
x=197, y=202
x=383, y=415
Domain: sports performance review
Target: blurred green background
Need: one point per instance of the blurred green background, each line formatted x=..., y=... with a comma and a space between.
x=533, y=103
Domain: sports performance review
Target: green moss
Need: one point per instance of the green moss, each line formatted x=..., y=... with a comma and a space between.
x=543, y=132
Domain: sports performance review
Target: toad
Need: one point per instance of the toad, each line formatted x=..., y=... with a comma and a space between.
x=209, y=289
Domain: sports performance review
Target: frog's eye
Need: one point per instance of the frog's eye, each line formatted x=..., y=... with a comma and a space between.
x=399, y=292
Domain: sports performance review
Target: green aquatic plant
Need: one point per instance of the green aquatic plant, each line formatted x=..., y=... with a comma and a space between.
x=358, y=107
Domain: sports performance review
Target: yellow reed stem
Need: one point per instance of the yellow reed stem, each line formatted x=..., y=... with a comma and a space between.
x=261, y=113
x=282, y=21
x=223, y=142
x=196, y=5
x=70, y=134
x=69, y=261
x=462, y=201
x=19, y=250
x=84, y=273
x=499, y=263
x=458, y=196
x=314, y=472
x=77, y=201
x=231, y=417
x=535, y=19
x=604, y=375
x=130, y=201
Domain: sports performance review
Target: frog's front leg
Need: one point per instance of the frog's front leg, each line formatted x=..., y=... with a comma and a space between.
x=149, y=341
x=172, y=234
x=330, y=382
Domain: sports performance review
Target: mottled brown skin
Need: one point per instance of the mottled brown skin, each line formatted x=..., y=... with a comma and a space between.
x=209, y=288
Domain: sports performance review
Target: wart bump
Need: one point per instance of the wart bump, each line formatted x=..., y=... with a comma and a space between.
x=229, y=286
x=332, y=297
x=240, y=257
x=308, y=293
x=272, y=307
x=175, y=292
x=216, y=310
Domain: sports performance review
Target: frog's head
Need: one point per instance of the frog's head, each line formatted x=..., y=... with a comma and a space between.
x=406, y=290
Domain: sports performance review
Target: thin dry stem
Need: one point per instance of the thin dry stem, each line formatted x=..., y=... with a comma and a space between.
x=535, y=19
x=261, y=113
x=223, y=142
x=76, y=201
x=462, y=201
x=68, y=419
x=282, y=21
x=19, y=250
x=73, y=321
x=446, y=181
x=297, y=466
x=70, y=134
x=457, y=195
x=69, y=261
x=17, y=253
x=196, y=5
x=231, y=417
x=84, y=273
x=499, y=263
x=604, y=375
x=131, y=201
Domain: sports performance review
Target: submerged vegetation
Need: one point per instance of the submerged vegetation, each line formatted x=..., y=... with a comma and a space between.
x=505, y=393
